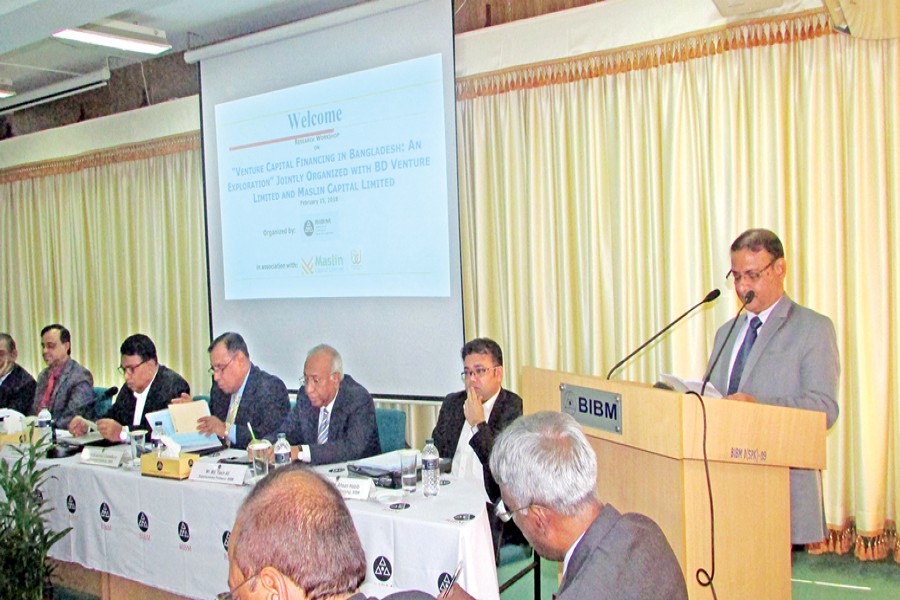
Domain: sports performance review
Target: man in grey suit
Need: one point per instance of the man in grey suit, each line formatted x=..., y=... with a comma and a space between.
x=65, y=388
x=779, y=353
x=334, y=419
x=242, y=393
x=547, y=473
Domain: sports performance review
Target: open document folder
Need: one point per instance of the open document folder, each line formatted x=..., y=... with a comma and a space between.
x=688, y=385
x=179, y=422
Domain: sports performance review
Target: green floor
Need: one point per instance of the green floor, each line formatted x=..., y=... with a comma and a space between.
x=826, y=577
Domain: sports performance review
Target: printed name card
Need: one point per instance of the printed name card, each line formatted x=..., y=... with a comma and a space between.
x=353, y=488
x=110, y=456
x=213, y=472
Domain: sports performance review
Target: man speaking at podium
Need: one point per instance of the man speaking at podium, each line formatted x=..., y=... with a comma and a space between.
x=779, y=353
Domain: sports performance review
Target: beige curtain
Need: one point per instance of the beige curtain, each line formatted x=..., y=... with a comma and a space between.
x=109, y=244
x=599, y=196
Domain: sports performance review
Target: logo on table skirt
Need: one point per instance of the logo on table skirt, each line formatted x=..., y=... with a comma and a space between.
x=399, y=506
x=184, y=532
x=143, y=521
x=463, y=517
x=444, y=582
x=104, y=512
x=382, y=568
x=70, y=503
x=226, y=537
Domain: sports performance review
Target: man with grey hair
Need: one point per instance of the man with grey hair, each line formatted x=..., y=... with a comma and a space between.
x=334, y=418
x=16, y=384
x=778, y=353
x=294, y=538
x=547, y=473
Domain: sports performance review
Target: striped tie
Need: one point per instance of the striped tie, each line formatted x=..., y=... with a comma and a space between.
x=323, y=427
x=738, y=369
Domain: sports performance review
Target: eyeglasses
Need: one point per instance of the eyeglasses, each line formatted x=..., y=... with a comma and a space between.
x=131, y=369
x=214, y=369
x=507, y=515
x=230, y=595
x=312, y=380
x=477, y=372
x=751, y=275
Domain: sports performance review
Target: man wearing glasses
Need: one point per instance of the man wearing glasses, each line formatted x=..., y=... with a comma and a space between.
x=470, y=420
x=547, y=473
x=65, y=388
x=242, y=394
x=779, y=353
x=334, y=418
x=149, y=386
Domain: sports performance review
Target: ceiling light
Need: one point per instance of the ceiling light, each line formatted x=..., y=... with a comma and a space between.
x=6, y=90
x=120, y=35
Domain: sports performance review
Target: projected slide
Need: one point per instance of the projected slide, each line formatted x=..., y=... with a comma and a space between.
x=337, y=188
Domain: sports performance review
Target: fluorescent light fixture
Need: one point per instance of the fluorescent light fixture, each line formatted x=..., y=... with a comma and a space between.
x=6, y=90
x=119, y=35
x=50, y=93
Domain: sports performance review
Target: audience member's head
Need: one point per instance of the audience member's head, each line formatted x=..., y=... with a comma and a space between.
x=229, y=361
x=56, y=344
x=294, y=533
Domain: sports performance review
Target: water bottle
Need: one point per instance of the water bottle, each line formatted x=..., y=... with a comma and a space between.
x=43, y=422
x=156, y=437
x=431, y=468
x=282, y=451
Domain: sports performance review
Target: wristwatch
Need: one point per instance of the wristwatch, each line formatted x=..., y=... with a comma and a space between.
x=123, y=435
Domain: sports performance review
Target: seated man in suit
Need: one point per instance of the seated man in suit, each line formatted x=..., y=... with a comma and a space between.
x=16, y=384
x=241, y=394
x=65, y=388
x=547, y=473
x=293, y=538
x=149, y=387
x=334, y=419
x=470, y=421
x=779, y=353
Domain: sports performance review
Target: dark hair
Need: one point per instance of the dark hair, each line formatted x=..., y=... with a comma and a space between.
x=10, y=342
x=64, y=336
x=755, y=240
x=483, y=346
x=233, y=342
x=297, y=522
x=138, y=345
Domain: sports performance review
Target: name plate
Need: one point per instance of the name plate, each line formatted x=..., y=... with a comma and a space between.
x=110, y=456
x=592, y=408
x=353, y=488
x=213, y=472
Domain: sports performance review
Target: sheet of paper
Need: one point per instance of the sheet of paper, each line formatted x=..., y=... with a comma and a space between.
x=184, y=416
x=687, y=385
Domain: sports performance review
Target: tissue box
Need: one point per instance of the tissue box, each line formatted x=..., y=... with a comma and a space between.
x=172, y=468
x=20, y=437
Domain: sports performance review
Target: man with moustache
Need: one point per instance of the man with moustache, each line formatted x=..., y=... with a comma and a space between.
x=65, y=388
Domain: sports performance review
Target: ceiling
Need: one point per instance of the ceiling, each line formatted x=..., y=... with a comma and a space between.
x=31, y=59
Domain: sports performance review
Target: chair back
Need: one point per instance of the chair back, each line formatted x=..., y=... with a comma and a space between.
x=101, y=404
x=391, y=424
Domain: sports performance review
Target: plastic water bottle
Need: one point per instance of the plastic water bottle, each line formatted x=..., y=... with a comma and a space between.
x=282, y=451
x=43, y=422
x=431, y=468
x=156, y=437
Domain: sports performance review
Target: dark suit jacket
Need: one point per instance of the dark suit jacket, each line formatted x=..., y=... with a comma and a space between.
x=507, y=408
x=17, y=391
x=166, y=385
x=793, y=363
x=264, y=405
x=622, y=557
x=352, y=431
x=72, y=395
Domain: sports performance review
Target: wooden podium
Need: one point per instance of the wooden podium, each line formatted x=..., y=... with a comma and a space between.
x=654, y=465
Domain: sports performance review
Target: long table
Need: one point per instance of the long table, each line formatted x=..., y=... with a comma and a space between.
x=173, y=535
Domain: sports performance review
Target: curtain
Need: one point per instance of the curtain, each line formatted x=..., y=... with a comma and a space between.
x=600, y=194
x=109, y=243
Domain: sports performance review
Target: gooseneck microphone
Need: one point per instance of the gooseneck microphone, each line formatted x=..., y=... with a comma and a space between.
x=748, y=298
x=708, y=298
x=109, y=393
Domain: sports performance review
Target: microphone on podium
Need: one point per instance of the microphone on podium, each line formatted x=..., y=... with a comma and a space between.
x=708, y=298
x=748, y=298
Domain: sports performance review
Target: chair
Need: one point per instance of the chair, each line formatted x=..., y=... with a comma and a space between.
x=202, y=397
x=512, y=553
x=101, y=405
x=391, y=424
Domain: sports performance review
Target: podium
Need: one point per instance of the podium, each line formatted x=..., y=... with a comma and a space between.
x=654, y=465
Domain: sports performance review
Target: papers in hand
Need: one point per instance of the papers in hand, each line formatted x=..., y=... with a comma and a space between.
x=688, y=385
x=189, y=438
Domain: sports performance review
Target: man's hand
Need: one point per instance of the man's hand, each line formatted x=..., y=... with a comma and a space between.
x=182, y=399
x=109, y=429
x=456, y=593
x=741, y=397
x=211, y=426
x=473, y=408
x=78, y=426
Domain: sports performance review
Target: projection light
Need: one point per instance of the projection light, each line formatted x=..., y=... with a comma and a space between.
x=6, y=90
x=119, y=35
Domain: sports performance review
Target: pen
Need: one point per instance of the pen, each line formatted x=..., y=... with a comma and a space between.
x=453, y=580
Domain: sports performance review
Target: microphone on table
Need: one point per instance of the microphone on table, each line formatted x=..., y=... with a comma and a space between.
x=708, y=298
x=109, y=393
x=748, y=298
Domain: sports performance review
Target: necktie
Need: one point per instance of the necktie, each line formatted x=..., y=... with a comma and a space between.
x=738, y=369
x=231, y=416
x=323, y=427
x=51, y=384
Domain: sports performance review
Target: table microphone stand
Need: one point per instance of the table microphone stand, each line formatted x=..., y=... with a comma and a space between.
x=55, y=450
